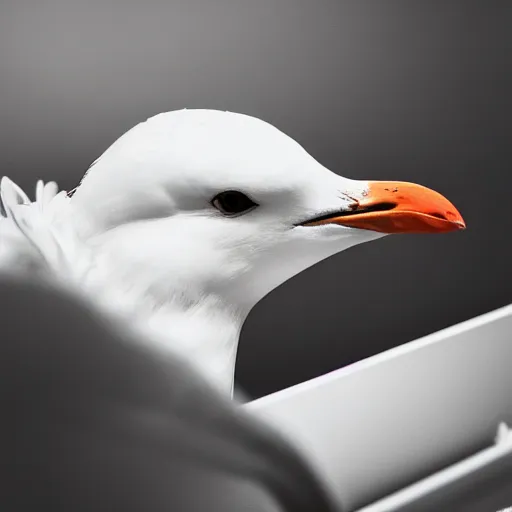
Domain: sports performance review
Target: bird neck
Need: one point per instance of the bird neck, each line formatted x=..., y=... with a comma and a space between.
x=206, y=333
x=202, y=328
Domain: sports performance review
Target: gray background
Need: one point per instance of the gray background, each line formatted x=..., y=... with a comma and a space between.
x=416, y=91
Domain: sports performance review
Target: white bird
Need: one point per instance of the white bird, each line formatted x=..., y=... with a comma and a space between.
x=192, y=217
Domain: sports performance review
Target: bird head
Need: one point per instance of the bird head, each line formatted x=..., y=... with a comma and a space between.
x=225, y=204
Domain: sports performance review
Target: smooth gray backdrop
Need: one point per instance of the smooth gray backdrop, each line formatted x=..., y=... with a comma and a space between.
x=410, y=90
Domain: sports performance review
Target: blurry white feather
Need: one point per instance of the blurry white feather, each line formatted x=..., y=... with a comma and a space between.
x=30, y=237
x=38, y=239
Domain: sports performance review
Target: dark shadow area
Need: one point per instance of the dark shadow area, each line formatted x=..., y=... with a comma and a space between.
x=93, y=420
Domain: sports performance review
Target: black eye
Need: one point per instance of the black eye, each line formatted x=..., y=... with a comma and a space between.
x=233, y=202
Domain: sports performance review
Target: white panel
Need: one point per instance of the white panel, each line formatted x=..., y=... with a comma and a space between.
x=388, y=421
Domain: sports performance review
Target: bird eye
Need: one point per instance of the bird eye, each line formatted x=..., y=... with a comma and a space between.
x=232, y=202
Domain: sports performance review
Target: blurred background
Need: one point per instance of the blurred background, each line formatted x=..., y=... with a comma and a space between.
x=397, y=90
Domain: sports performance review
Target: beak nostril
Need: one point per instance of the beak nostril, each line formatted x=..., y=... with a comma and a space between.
x=438, y=215
x=358, y=209
x=377, y=207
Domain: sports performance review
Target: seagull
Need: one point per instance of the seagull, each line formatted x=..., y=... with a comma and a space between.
x=192, y=217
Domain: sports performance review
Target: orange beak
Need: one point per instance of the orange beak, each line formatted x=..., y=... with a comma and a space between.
x=398, y=207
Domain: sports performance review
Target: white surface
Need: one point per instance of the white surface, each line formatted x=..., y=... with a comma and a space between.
x=388, y=421
x=441, y=481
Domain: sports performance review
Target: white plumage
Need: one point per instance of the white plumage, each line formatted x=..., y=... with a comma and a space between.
x=143, y=234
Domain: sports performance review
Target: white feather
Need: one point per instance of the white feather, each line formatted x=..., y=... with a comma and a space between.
x=31, y=237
